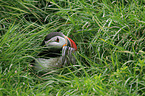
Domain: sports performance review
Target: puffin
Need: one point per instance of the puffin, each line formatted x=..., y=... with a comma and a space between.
x=57, y=50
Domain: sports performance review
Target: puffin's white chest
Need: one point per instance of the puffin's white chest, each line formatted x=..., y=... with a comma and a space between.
x=45, y=65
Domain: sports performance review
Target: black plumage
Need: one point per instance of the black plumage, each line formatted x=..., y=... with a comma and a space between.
x=50, y=53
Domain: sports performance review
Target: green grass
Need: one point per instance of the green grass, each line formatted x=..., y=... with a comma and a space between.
x=110, y=36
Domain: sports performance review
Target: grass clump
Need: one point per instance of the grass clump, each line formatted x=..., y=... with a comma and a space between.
x=110, y=37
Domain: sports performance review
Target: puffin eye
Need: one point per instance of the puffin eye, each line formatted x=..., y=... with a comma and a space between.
x=57, y=40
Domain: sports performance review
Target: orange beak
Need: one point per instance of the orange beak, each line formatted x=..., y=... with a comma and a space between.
x=73, y=44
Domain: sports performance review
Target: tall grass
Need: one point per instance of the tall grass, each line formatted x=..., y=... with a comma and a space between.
x=110, y=36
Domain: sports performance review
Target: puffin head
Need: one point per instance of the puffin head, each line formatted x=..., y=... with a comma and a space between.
x=58, y=40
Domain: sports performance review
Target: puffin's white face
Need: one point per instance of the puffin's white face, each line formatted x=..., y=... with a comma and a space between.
x=56, y=42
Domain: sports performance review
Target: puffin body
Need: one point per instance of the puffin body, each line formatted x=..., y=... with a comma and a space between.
x=57, y=51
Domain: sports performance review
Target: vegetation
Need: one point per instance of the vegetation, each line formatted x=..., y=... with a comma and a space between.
x=110, y=36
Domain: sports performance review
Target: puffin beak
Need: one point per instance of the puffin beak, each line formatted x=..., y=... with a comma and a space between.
x=72, y=43
x=66, y=50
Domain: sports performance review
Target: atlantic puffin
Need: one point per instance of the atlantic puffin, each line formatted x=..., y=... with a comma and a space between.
x=57, y=51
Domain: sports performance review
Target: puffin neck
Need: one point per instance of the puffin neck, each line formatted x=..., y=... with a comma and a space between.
x=50, y=53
